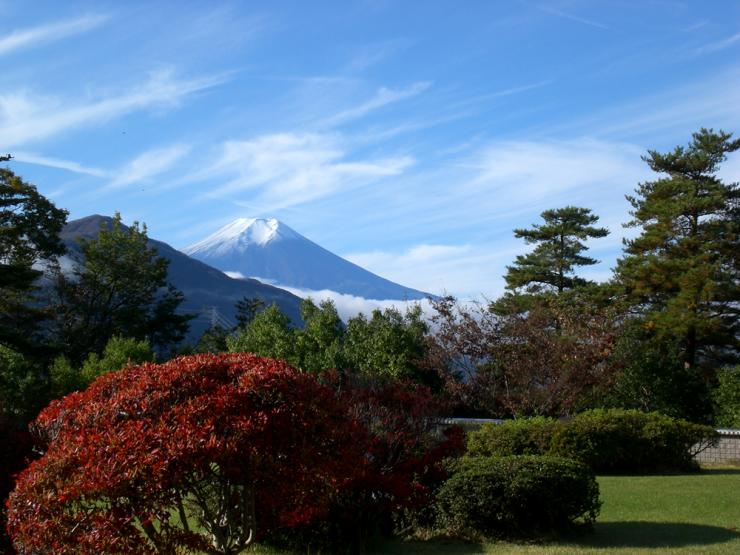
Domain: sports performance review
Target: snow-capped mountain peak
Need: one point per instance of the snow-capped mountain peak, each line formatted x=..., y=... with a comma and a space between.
x=271, y=251
x=242, y=233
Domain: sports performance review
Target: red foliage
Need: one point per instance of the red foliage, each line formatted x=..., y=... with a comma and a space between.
x=405, y=455
x=551, y=359
x=220, y=443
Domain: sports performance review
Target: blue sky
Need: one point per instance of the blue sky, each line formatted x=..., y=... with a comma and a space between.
x=409, y=137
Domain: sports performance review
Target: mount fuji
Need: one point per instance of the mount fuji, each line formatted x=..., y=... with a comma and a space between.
x=209, y=294
x=268, y=249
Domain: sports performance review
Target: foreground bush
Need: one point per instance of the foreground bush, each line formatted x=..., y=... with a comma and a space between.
x=617, y=441
x=199, y=454
x=405, y=458
x=517, y=496
x=523, y=436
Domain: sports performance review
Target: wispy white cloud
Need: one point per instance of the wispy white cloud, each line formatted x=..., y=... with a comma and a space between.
x=500, y=186
x=571, y=17
x=40, y=160
x=150, y=164
x=718, y=45
x=25, y=118
x=287, y=169
x=36, y=36
x=383, y=97
x=530, y=171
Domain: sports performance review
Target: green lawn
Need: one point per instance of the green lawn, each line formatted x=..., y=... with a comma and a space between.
x=690, y=514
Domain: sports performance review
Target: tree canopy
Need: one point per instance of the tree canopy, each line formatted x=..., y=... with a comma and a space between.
x=119, y=288
x=559, y=246
x=389, y=343
x=683, y=270
x=29, y=234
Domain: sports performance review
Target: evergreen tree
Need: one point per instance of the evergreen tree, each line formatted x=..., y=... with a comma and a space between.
x=319, y=345
x=388, y=344
x=549, y=267
x=682, y=270
x=29, y=233
x=118, y=353
x=269, y=334
x=246, y=309
x=120, y=288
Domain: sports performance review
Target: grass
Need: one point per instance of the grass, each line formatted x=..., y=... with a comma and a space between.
x=683, y=514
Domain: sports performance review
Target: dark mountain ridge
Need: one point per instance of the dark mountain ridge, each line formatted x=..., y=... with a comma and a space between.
x=209, y=293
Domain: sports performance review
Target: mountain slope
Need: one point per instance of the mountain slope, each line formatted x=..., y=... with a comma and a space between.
x=205, y=288
x=269, y=249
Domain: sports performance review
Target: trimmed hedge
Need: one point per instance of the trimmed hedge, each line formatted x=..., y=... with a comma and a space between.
x=523, y=436
x=726, y=398
x=517, y=496
x=613, y=441
x=617, y=441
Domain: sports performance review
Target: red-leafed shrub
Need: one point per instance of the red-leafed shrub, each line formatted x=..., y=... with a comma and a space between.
x=405, y=458
x=196, y=454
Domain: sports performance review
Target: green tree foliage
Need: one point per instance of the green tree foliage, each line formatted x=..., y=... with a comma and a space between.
x=389, y=343
x=120, y=288
x=682, y=270
x=269, y=334
x=559, y=246
x=118, y=353
x=246, y=309
x=319, y=345
x=653, y=378
x=22, y=391
x=29, y=233
x=213, y=340
x=726, y=397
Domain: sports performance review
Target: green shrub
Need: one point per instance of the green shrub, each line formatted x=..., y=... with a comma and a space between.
x=119, y=352
x=517, y=496
x=726, y=398
x=617, y=441
x=523, y=436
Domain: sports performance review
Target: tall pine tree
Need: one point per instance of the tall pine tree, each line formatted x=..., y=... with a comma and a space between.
x=560, y=244
x=29, y=236
x=682, y=271
x=119, y=288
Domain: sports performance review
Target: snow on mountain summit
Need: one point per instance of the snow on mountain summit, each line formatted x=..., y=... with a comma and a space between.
x=269, y=250
x=240, y=234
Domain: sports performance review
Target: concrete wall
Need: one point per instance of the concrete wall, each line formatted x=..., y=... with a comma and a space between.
x=727, y=449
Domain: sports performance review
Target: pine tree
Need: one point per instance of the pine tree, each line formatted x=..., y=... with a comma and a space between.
x=682, y=271
x=29, y=234
x=120, y=288
x=549, y=267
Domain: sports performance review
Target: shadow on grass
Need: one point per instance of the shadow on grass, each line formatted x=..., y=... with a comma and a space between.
x=639, y=534
x=432, y=547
